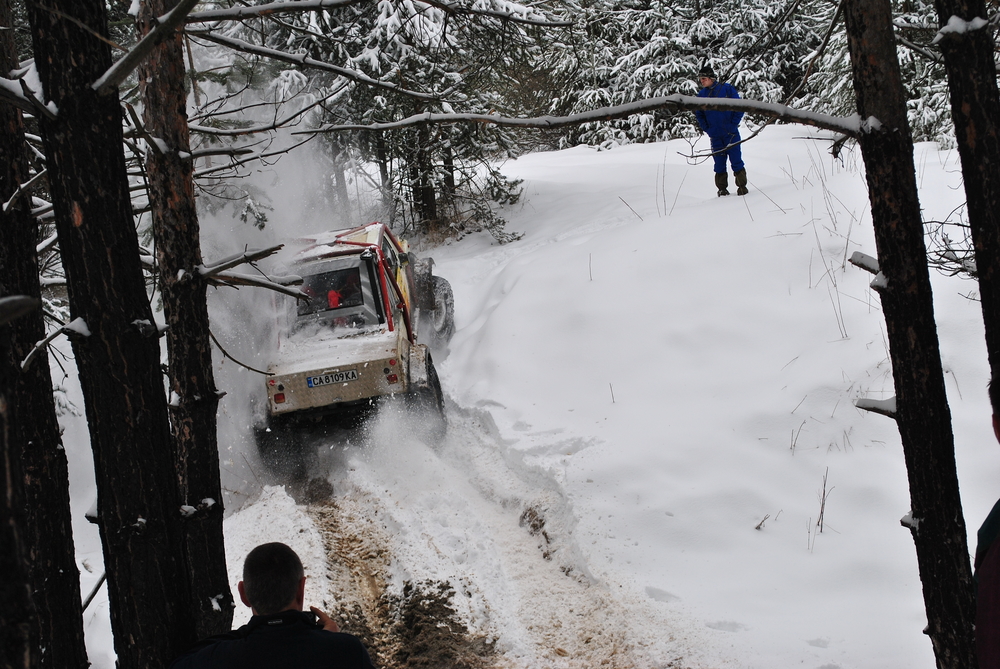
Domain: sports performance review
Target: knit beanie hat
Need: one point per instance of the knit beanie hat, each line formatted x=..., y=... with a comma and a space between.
x=706, y=71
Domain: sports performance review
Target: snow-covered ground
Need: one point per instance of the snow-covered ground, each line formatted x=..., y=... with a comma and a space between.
x=645, y=394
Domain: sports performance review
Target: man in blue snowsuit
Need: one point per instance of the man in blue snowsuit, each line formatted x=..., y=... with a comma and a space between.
x=722, y=129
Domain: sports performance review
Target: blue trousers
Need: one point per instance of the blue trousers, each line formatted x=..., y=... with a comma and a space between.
x=734, y=153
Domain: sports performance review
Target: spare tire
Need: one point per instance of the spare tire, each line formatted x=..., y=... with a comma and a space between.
x=442, y=313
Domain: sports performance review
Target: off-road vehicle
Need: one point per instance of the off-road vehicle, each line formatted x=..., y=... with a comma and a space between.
x=363, y=329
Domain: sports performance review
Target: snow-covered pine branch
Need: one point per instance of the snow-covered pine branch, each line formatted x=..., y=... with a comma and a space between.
x=268, y=9
x=523, y=17
x=850, y=126
x=240, y=13
x=303, y=61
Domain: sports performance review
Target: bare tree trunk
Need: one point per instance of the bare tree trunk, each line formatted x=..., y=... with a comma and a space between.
x=922, y=413
x=194, y=398
x=34, y=435
x=138, y=506
x=975, y=110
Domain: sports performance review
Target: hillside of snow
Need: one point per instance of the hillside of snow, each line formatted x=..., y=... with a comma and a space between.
x=647, y=396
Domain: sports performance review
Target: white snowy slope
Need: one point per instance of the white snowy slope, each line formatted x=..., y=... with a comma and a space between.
x=634, y=387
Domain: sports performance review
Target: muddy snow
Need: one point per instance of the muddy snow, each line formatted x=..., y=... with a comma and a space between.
x=454, y=554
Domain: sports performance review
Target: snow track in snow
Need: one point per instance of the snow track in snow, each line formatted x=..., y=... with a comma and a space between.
x=468, y=514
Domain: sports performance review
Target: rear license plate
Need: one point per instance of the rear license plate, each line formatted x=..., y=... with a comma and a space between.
x=332, y=377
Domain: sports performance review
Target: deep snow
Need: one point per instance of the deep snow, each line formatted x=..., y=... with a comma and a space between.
x=656, y=370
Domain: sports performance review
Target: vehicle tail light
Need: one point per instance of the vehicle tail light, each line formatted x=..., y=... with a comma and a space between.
x=392, y=378
x=279, y=398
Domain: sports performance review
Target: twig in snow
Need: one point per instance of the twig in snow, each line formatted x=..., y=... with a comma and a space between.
x=677, y=194
x=795, y=435
x=822, y=501
x=756, y=188
x=630, y=207
x=761, y=523
x=612, y=393
x=747, y=205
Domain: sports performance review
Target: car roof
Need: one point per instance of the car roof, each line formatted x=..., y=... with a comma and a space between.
x=332, y=243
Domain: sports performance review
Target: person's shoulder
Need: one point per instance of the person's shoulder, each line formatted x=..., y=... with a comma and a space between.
x=346, y=646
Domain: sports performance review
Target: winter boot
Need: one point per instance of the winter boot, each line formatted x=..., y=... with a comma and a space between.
x=741, y=182
x=722, y=183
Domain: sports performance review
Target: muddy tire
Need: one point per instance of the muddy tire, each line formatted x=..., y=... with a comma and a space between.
x=442, y=314
x=286, y=453
x=436, y=302
x=426, y=402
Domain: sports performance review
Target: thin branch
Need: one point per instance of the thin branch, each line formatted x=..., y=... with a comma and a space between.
x=208, y=271
x=278, y=284
x=23, y=188
x=846, y=126
x=226, y=353
x=206, y=130
x=250, y=159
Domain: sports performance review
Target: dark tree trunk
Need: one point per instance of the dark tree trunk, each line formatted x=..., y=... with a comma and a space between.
x=54, y=577
x=421, y=172
x=194, y=398
x=975, y=110
x=138, y=506
x=340, y=180
x=449, y=175
x=922, y=412
x=18, y=622
x=382, y=156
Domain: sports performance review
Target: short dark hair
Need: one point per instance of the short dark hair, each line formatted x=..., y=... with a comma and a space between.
x=271, y=576
x=994, y=391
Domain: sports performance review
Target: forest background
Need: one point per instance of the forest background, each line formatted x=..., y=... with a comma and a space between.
x=409, y=98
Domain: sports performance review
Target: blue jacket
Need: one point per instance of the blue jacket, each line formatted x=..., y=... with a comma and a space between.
x=718, y=123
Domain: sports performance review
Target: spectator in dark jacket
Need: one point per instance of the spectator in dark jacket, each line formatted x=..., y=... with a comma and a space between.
x=722, y=128
x=988, y=570
x=279, y=635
